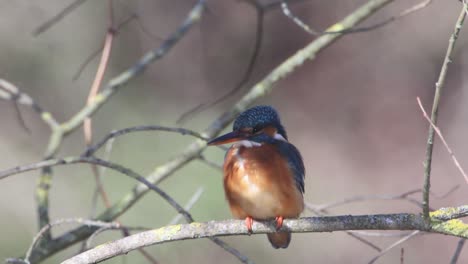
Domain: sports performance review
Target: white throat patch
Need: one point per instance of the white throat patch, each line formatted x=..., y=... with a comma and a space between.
x=278, y=136
x=251, y=144
x=247, y=144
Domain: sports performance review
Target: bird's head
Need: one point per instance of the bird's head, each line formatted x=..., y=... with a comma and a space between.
x=256, y=125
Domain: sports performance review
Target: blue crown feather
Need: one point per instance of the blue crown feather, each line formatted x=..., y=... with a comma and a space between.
x=259, y=117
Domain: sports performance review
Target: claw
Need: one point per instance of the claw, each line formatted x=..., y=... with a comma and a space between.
x=279, y=222
x=249, y=223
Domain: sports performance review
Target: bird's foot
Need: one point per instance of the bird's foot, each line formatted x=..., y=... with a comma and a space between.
x=279, y=222
x=249, y=223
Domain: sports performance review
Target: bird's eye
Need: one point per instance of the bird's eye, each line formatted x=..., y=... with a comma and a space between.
x=256, y=129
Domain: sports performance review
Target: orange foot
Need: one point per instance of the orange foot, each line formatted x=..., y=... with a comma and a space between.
x=249, y=223
x=279, y=222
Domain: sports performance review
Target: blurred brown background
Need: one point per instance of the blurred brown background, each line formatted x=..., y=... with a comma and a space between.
x=352, y=112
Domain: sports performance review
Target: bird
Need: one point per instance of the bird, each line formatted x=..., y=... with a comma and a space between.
x=263, y=172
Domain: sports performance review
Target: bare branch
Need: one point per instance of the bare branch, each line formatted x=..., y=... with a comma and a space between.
x=287, y=12
x=46, y=228
x=237, y=227
x=458, y=250
x=10, y=92
x=55, y=19
x=360, y=198
x=195, y=197
x=435, y=109
x=116, y=133
x=98, y=79
x=402, y=255
x=379, y=234
x=116, y=30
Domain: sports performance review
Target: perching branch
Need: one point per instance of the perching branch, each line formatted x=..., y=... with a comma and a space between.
x=237, y=227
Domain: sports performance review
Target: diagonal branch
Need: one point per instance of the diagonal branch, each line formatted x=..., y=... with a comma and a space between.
x=10, y=92
x=58, y=17
x=439, y=133
x=458, y=250
x=287, y=12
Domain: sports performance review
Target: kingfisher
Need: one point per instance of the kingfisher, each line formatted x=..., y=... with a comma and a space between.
x=263, y=172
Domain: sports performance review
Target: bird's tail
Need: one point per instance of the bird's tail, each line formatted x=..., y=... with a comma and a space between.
x=279, y=239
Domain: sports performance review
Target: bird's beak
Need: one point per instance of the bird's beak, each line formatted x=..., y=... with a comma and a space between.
x=228, y=138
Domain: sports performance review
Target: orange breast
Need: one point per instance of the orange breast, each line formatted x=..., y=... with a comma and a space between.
x=259, y=183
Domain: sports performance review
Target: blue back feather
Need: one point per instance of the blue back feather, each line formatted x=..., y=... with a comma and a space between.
x=290, y=153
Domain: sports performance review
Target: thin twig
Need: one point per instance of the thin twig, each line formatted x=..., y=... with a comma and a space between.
x=435, y=109
x=399, y=242
x=288, y=13
x=210, y=163
x=402, y=256
x=439, y=133
x=59, y=16
x=349, y=233
x=379, y=234
x=98, y=79
x=116, y=133
x=195, y=197
x=94, y=54
x=47, y=227
x=361, y=198
x=458, y=250
x=102, y=170
x=9, y=91
x=259, y=24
